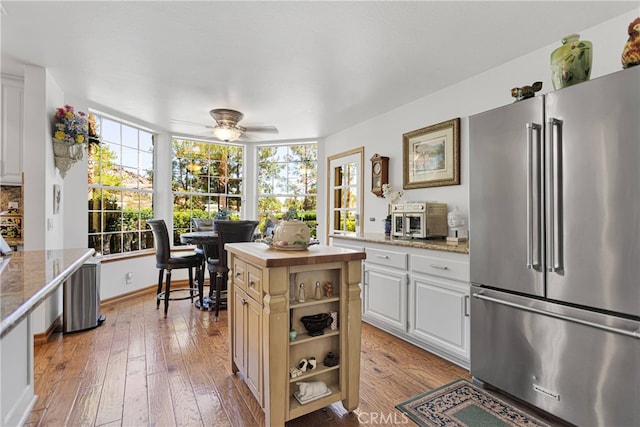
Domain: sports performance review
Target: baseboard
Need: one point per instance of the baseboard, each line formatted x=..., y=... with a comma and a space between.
x=149, y=290
x=43, y=337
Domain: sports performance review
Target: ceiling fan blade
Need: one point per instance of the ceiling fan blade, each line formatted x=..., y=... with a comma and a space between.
x=185, y=122
x=261, y=129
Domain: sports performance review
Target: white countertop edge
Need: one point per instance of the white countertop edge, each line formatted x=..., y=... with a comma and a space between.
x=28, y=306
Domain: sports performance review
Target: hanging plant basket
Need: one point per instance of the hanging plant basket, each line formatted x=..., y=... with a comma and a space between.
x=66, y=155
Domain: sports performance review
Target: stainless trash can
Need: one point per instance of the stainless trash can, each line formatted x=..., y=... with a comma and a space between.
x=81, y=298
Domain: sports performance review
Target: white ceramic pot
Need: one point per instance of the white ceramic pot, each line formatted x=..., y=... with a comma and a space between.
x=291, y=233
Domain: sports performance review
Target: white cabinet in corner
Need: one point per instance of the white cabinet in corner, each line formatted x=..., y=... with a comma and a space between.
x=439, y=312
x=11, y=136
x=419, y=295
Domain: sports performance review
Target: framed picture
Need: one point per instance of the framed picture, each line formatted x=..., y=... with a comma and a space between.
x=57, y=195
x=431, y=156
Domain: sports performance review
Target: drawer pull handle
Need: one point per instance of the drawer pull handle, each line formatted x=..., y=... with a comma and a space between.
x=383, y=256
x=238, y=274
x=244, y=301
x=252, y=283
x=439, y=267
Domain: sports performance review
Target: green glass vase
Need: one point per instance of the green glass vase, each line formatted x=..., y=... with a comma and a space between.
x=571, y=62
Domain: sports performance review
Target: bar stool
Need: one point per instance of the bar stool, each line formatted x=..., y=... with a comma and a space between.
x=166, y=260
x=228, y=232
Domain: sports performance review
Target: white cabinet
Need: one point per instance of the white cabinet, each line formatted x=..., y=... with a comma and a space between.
x=385, y=288
x=439, y=311
x=419, y=295
x=11, y=137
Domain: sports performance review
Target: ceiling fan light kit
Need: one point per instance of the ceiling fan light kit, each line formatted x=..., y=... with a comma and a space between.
x=227, y=133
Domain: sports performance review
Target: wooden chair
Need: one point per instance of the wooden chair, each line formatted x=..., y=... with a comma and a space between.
x=166, y=260
x=228, y=232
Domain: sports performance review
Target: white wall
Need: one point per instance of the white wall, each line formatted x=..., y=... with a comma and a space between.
x=383, y=134
x=41, y=96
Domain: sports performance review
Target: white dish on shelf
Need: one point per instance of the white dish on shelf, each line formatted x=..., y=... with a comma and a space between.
x=311, y=399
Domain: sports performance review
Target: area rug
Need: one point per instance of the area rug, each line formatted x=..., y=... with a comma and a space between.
x=460, y=403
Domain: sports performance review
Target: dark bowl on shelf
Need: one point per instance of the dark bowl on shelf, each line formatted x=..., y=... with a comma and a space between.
x=316, y=323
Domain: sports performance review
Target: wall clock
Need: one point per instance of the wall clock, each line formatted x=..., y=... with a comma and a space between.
x=379, y=173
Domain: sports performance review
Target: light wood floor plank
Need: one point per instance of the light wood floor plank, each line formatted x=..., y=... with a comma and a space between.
x=136, y=402
x=142, y=369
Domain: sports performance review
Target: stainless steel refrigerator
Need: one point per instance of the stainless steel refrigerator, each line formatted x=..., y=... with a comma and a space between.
x=555, y=250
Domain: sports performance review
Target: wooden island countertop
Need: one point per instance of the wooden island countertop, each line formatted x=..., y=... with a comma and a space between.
x=264, y=256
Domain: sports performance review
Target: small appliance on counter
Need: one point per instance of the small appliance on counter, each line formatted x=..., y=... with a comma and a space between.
x=419, y=220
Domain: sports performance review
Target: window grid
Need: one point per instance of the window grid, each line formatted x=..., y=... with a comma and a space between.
x=206, y=177
x=120, y=193
x=287, y=177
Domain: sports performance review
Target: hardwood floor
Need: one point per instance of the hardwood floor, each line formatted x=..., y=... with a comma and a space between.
x=141, y=369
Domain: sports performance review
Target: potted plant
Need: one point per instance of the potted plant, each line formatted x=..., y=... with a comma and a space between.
x=70, y=136
x=222, y=214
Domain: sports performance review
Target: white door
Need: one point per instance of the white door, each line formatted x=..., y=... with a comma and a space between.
x=345, y=193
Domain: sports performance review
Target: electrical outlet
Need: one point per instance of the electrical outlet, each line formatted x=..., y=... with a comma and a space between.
x=372, y=219
x=129, y=278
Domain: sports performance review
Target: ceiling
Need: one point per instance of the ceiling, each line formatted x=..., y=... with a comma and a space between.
x=311, y=68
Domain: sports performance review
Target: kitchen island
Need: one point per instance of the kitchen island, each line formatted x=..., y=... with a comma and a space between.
x=270, y=292
x=26, y=280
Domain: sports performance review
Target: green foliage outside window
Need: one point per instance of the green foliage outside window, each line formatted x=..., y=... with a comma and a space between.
x=206, y=178
x=287, y=179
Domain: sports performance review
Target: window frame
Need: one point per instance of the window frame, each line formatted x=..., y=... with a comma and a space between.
x=336, y=160
x=186, y=224
x=287, y=195
x=110, y=216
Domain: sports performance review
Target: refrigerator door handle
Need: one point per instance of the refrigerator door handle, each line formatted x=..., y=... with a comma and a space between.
x=633, y=334
x=533, y=195
x=555, y=189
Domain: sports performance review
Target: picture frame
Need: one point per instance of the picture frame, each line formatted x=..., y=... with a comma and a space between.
x=431, y=156
x=57, y=196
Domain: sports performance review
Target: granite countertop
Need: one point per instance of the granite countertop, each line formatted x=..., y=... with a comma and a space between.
x=434, y=245
x=27, y=278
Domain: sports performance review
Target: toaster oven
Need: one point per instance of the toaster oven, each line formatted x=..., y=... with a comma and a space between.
x=419, y=220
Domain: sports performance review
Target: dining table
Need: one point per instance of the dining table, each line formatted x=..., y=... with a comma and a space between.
x=207, y=241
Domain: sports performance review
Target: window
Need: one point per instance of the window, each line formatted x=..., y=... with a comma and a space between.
x=287, y=177
x=206, y=177
x=345, y=186
x=120, y=194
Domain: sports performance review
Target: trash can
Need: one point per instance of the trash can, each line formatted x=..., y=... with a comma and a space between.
x=81, y=298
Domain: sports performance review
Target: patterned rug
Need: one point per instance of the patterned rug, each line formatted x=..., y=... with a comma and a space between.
x=460, y=403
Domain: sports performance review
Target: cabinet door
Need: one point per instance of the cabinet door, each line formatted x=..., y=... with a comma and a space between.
x=239, y=326
x=440, y=314
x=253, y=335
x=385, y=296
x=11, y=143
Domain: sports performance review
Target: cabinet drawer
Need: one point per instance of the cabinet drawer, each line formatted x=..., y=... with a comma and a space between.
x=440, y=266
x=387, y=258
x=239, y=274
x=254, y=283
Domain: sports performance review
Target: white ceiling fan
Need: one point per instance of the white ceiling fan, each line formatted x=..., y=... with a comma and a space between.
x=227, y=129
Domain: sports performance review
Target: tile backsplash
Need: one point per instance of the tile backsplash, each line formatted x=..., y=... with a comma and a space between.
x=11, y=199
